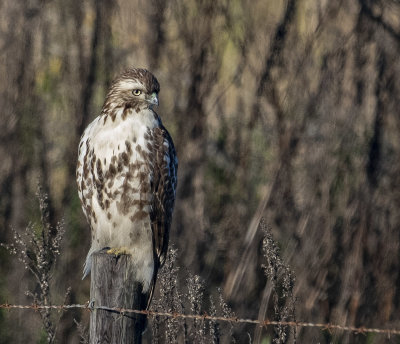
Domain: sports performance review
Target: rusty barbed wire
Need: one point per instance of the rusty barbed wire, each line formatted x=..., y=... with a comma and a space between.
x=264, y=323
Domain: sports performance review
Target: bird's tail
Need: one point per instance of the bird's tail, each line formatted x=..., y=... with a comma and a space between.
x=88, y=264
x=152, y=285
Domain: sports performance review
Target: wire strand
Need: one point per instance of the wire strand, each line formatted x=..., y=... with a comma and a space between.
x=265, y=323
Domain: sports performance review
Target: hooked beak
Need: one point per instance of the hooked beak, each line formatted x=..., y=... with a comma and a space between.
x=153, y=99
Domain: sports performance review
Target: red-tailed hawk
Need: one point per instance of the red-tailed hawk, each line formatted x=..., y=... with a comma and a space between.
x=126, y=176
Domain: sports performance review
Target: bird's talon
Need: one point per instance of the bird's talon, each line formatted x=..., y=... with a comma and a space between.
x=117, y=251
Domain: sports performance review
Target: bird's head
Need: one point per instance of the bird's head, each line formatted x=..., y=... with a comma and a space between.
x=135, y=88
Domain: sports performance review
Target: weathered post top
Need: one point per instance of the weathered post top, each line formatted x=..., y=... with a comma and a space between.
x=113, y=285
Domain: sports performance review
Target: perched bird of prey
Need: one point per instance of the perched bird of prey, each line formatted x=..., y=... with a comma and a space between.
x=127, y=176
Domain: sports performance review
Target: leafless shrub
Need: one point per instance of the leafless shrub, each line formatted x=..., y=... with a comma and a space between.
x=37, y=248
x=282, y=280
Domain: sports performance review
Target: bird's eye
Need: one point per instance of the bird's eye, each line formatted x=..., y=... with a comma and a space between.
x=136, y=92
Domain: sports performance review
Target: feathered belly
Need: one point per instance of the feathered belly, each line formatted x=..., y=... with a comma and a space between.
x=122, y=209
x=122, y=201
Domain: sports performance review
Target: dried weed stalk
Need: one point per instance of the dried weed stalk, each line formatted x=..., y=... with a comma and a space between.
x=83, y=332
x=282, y=280
x=174, y=330
x=170, y=301
x=195, y=297
x=37, y=248
x=214, y=328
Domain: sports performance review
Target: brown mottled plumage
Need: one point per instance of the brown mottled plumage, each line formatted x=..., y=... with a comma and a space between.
x=126, y=175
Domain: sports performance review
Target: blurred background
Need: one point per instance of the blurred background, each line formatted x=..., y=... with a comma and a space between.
x=283, y=109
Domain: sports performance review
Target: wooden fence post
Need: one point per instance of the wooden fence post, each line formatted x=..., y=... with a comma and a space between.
x=112, y=285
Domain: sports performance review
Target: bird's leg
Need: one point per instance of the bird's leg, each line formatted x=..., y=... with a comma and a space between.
x=117, y=251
